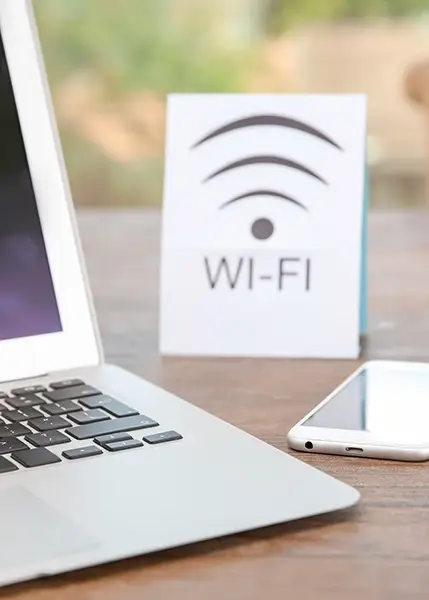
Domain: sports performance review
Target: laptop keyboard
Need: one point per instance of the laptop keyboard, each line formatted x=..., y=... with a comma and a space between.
x=35, y=418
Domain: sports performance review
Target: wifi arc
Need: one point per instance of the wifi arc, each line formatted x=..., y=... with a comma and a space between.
x=263, y=228
x=265, y=160
x=267, y=120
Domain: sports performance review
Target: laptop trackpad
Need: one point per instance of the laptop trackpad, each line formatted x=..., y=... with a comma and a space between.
x=33, y=532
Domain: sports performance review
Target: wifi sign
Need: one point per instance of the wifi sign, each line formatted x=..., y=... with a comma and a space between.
x=264, y=228
x=262, y=225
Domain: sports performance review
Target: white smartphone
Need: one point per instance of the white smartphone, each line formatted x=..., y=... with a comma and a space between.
x=380, y=411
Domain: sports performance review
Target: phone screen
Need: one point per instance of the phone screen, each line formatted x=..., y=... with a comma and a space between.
x=381, y=401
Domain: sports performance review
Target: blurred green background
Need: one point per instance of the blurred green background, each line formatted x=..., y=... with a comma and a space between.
x=111, y=64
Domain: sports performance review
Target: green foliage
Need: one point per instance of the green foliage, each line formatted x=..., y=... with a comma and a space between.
x=135, y=44
x=160, y=46
x=283, y=14
x=130, y=46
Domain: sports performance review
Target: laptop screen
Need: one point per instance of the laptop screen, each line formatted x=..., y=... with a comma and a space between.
x=28, y=306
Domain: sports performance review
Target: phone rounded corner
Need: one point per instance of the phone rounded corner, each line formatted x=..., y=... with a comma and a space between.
x=290, y=437
x=419, y=454
x=292, y=440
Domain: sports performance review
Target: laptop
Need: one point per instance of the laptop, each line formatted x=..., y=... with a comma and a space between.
x=96, y=464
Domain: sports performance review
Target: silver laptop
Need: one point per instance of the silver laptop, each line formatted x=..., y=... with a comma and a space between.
x=96, y=464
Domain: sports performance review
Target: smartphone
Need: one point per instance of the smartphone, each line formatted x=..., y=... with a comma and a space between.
x=380, y=411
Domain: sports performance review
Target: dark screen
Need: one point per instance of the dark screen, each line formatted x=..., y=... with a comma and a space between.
x=28, y=305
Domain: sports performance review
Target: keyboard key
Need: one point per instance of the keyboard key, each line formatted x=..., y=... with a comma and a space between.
x=89, y=416
x=66, y=383
x=23, y=414
x=48, y=423
x=38, y=457
x=11, y=445
x=64, y=408
x=161, y=438
x=29, y=389
x=125, y=445
x=109, y=404
x=13, y=430
x=84, y=452
x=73, y=393
x=25, y=401
x=3, y=408
x=113, y=437
x=3, y=395
x=6, y=466
x=50, y=438
x=85, y=432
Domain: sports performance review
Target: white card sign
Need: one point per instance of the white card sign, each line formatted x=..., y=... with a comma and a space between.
x=262, y=225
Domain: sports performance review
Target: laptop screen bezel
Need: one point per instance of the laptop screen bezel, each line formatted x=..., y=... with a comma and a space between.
x=78, y=344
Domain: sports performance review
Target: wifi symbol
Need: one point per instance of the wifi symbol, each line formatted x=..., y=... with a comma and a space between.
x=264, y=228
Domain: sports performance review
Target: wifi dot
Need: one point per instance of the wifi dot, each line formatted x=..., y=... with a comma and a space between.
x=262, y=229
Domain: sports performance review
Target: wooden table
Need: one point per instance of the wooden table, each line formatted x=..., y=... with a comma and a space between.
x=379, y=550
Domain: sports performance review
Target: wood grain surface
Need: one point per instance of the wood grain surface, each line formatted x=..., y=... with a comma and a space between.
x=378, y=551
